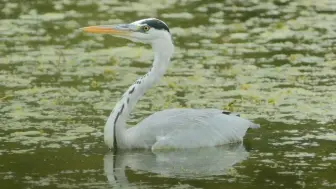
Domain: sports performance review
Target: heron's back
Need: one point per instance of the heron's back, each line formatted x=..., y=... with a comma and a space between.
x=189, y=128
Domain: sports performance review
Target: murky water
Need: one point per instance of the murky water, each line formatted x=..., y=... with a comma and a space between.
x=273, y=61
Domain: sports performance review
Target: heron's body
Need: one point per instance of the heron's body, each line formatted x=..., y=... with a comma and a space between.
x=187, y=128
x=172, y=128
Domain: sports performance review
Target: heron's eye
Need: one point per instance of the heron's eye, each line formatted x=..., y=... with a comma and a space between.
x=145, y=28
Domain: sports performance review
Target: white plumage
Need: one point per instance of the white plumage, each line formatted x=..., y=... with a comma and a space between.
x=167, y=129
x=188, y=128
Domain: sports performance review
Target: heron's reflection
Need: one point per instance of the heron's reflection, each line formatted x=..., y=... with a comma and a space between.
x=198, y=163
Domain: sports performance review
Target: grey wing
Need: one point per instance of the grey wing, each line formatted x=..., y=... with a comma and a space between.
x=188, y=128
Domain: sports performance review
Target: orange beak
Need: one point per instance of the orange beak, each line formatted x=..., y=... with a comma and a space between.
x=114, y=30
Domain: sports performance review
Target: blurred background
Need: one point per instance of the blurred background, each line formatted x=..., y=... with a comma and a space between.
x=273, y=61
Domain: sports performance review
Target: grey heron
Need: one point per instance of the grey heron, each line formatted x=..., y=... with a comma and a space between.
x=171, y=128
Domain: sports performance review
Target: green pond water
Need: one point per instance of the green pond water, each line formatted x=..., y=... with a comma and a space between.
x=273, y=61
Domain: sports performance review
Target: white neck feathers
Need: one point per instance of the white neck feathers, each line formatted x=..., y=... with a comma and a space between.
x=115, y=128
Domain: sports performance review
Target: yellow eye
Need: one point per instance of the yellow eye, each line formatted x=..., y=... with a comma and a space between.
x=146, y=28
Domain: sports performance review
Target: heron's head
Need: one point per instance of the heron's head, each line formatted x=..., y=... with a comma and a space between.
x=147, y=31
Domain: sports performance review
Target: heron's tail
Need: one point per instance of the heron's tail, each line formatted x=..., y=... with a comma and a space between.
x=254, y=126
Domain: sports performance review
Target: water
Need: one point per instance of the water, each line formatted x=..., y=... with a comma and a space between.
x=272, y=61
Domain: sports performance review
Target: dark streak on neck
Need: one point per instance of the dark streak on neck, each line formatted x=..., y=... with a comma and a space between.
x=131, y=91
x=114, y=128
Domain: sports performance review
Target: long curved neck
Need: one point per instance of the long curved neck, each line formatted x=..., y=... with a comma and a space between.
x=115, y=128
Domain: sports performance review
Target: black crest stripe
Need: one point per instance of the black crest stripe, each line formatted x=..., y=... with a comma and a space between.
x=157, y=24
